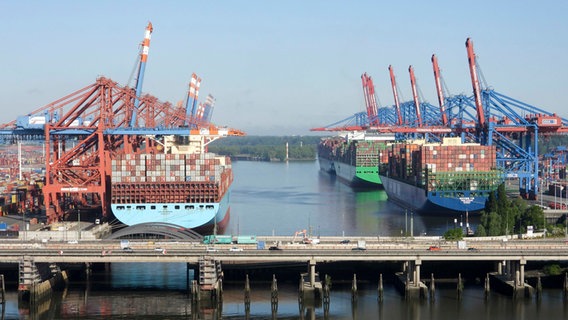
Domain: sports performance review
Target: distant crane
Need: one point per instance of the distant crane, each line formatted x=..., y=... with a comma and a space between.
x=141, y=70
x=415, y=97
x=395, y=95
x=370, y=99
x=192, y=95
x=439, y=90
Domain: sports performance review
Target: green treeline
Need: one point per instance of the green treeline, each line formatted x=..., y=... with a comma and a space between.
x=267, y=148
x=503, y=216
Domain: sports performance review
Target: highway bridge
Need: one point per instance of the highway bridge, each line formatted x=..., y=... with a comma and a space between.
x=509, y=255
x=328, y=250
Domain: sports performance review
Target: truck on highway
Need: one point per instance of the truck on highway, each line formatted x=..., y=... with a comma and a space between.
x=125, y=245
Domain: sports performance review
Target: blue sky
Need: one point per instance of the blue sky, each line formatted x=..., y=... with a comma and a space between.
x=282, y=67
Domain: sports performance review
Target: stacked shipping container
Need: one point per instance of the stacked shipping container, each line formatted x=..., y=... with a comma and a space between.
x=362, y=153
x=170, y=178
x=447, y=166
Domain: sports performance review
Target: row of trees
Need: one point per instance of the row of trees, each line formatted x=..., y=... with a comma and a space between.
x=267, y=148
x=503, y=216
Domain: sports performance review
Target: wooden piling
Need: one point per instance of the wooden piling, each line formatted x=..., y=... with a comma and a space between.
x=194, y=291
x=487, y=287
x=538, y=287
x=432, y=287
x=3, y=288
x=354, y=288
x=407, y=287
x=247, y=291
x=565, y=286
x=301, y=290
x=274, y=293
x=460, y=286
x=326, y=290
x=380, y=288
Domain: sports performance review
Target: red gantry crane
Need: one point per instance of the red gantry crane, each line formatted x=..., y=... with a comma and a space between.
x=370, y=99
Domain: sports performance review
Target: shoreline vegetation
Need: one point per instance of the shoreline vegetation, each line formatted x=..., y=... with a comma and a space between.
x=267, y=148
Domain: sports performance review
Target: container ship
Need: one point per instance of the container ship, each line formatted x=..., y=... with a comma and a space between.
x=354, y=159
x=441, y=178
x=185, y=186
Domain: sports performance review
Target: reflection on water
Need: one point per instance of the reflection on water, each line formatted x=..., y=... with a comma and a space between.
x=282, y=198
x=98, y=300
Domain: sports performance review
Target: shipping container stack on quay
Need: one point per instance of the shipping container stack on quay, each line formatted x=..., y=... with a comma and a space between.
x=22, y=174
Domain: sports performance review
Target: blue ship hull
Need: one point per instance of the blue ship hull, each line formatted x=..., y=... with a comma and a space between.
x=432, y=202
x=200, y=216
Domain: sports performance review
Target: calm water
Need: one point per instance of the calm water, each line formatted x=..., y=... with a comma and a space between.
x=276, y=198
x=280, y=199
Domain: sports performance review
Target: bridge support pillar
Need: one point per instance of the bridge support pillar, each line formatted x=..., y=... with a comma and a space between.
x=522, y=264
x=409, y=280
x=312, y=271
x=499, y=267
x=32, y=286
x=417, y=265
x=310, y=284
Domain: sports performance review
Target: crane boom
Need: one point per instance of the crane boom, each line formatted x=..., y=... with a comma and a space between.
x=415, y=97
x=475, y=82
x=208, y=111
x=395, y=94
x=141, y=69
x=439, y=90
x=370, y=99
x=192, y=94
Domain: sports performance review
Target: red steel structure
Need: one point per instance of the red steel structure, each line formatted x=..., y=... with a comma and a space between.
x=370, y=99
x=439, y=91
x=85, y=130
x=415, y=97
x=395, y=95
x=78, y=156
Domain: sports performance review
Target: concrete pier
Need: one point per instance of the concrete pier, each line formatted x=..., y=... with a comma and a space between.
x=408, y=281
x=509, y=279
x=38, y=281
x=310, y=283
x=210, y=279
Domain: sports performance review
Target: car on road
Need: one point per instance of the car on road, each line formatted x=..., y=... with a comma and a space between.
x=275, y=248
x=359, y=249
x=127, y=250
x=345, y=241
x=211, y=249
x=236, y=249
x=434, y=248
x=472, y=249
